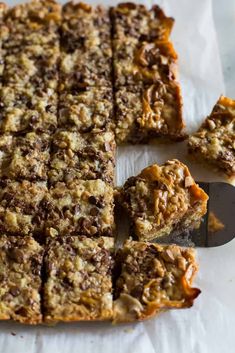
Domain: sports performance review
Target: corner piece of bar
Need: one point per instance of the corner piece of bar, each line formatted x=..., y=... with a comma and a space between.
x=135, y=21
x=20, y=276
x=214, y=142
x=79, y=207
x=78, y=284
x=163, y=199
x=33, y=23
x=153, y=278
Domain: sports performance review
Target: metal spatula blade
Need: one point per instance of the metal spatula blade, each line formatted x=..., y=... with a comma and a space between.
x=221, y=205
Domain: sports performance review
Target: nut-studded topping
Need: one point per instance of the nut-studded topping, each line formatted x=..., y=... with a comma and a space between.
x=78, y=279
x=143, y=62
x=145, y=112
x=214, y=142
x=82, y=156
x=70, y=208
x=24, y=157
x=153, y=278
x=135, y=21
x=20, y=273
x=20, y=207
x=163, y=199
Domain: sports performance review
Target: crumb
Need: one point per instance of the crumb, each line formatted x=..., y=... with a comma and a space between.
x=214, y=224
x=128, y=330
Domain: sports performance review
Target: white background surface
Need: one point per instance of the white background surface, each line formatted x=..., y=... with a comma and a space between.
x=208, y=327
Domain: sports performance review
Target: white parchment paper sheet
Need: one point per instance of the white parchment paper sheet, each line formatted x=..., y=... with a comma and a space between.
x=210, y=325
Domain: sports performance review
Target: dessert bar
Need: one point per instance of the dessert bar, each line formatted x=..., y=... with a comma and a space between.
x=20, y=207
x=79, y=207
x=30, y=76
x=214, y=142
x=28, y=108
x=153, y=278
x=33, y=23
x=148, y=112
x=78, y=283
x=86, y=109
x=132, y=20
x=163, y=199
x=86, y=45
x=82, y=156
x=20, y=276
x=24, y=157
x=143, y=63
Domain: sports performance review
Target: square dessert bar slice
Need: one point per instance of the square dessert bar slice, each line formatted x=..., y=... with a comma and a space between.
x=152, y=278
x=85, y=27
x=28, y=108
x=20, y=210
x=78, y=283
x=86, y=109
x=144, y=112
x=20, y=276
x=136, y=21
x=36, y=65
x=85, y=70
x=79, y=207
x=24, y=157
x=214, y=142
x=33, y=23
x=86, y=45
x=82, y=156
x=143, y=63
x=163, y=199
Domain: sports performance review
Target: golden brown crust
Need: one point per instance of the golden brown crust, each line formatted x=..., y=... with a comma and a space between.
x=152, y=279
x=214, y=142
x=162, y=199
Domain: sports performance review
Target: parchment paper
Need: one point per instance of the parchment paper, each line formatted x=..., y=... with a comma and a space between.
x=210, y=325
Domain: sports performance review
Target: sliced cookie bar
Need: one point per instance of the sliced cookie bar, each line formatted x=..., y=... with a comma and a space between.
x=152, y=278
x=214, y=142
x=20, y=275
x=163, y=199
x=78, y=283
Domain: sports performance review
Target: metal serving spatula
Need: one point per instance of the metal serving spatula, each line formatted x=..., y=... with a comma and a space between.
x=221, y=204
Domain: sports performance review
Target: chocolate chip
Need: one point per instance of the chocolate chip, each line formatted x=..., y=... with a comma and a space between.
x=137, y=291
x=14, y=291
x=92, y=200
x=22, y=312
x=16, y=255
x=94, y=211
x=7, y=196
